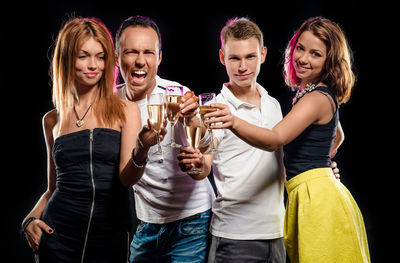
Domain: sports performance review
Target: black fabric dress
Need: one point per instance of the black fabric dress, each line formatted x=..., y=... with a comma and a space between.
x=89, y=210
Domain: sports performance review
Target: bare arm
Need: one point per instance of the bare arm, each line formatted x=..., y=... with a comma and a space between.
x=135, y=144
x=336, y=143
x=130, y=174
x=338, y=140
x=33, y=231
x=312, y=108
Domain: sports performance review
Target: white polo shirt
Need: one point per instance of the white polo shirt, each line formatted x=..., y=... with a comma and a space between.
x=164, y=193
x=249, y=181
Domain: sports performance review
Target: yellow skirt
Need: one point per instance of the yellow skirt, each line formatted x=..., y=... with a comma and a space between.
x=323, y=222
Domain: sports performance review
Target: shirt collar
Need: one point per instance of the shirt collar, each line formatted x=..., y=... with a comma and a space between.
x=228, y=95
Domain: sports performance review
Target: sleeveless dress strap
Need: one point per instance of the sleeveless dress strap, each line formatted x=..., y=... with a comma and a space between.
x=327, y=92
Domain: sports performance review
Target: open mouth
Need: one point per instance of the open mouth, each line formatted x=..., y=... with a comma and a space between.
x=138, y=76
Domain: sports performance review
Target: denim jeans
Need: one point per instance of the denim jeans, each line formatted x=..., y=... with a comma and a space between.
x=185, y=240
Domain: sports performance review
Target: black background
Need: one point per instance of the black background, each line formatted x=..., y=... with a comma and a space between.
x=190, y=39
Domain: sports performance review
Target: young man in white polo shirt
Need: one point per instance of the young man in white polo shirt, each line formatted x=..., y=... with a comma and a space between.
x=174, y=209
x=247, y=221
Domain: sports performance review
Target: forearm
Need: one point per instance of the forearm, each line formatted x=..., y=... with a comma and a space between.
x=256, y=136
x=339, y=136
x=37, y=210
x=134, y=168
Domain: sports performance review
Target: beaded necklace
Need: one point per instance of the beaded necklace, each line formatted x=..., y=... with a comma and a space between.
x=302, y=91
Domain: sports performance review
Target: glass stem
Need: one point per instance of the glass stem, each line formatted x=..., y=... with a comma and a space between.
x=158, y=142
x=212, y=139
x=172, y=133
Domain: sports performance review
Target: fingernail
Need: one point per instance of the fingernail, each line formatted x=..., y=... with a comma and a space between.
x=51, y=231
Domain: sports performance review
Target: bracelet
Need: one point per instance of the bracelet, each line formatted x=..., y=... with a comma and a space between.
x=25, y=223
x=137, y=165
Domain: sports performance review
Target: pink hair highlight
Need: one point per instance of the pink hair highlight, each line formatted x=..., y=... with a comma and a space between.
x=289, y=72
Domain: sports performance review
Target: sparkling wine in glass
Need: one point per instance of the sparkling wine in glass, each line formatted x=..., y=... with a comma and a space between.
x=193, y=135
x=205, y=100
x=156, y=111
x=174, y=98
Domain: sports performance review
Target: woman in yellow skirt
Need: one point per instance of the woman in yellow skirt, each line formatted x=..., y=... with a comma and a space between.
x=322, y=222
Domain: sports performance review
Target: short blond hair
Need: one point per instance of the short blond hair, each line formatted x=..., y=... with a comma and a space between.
x=241, y=28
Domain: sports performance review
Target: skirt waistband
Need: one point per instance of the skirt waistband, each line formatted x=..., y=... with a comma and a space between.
x=307, y=176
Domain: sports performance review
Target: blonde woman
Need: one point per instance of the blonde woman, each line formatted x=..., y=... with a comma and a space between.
x=93, y=154
x=322, y=221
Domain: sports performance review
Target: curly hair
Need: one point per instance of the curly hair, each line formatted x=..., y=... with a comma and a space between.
x=337, y=72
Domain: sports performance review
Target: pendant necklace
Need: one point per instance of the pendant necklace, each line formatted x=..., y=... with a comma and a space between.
x=80, y=121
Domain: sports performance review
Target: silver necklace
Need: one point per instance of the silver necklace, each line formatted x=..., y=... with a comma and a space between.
x=301, y=92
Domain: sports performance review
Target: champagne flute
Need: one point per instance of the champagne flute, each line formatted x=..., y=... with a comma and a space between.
x=174, y=98
x=156, y=110
x=205, y=100
x=193, y=134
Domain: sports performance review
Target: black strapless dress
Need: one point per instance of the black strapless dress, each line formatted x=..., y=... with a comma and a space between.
x=89, y=210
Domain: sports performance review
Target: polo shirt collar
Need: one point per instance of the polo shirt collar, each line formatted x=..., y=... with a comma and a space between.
x=228, y=95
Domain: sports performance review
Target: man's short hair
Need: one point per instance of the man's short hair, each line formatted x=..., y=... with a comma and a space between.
x=142, y=21
x=241, y=28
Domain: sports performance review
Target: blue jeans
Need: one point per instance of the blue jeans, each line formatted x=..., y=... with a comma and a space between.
x=185, y=240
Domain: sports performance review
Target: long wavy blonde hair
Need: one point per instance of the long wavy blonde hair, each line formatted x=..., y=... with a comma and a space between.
x=108, y=108
x=337, y=72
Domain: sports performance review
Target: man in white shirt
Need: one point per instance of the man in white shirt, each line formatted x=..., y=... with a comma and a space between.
x=247, y=221
x=174, y=209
